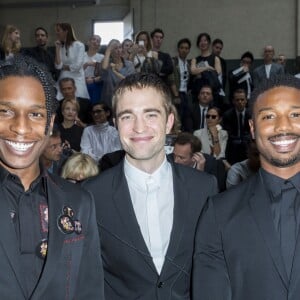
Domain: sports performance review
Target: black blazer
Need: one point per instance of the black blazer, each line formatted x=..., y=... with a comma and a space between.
x=73, y=267
x=238, y=254
x=129, y=271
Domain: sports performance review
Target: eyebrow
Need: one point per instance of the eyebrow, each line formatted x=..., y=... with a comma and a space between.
x=129, y=111
x=11, y=104
x=271, y=108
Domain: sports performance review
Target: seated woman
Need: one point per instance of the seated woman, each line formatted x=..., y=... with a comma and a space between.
x=71, y=128
x=213, y=138
x=78, y=167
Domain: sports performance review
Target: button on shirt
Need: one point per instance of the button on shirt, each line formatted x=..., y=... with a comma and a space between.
x=28, y=211
x=153, y=202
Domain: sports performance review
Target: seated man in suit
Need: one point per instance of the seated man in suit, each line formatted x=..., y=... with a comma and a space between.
x=248, y=243
x=187, y=151
x=53, y=155
x=195, y=117
x=50, y=247
x=235, y=122
x=269, y=69
x=148, y=207
x=68, y=89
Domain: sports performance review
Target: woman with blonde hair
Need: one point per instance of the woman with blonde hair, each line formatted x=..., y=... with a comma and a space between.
x=11, y=42
x=78, y=167
x=69, y=59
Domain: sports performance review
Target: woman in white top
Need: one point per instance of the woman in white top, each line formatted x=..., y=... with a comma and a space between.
x=69, y=59
x=92, y=60
x=213, y=138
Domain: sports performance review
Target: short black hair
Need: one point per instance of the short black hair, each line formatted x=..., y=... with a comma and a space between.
x=184, y=138
x=184, y=41
x=202, y=35
x=283, y=80
x=217, y=41
x=247, y=54
x=157, y=30
x=25, y=66
x=41, y=28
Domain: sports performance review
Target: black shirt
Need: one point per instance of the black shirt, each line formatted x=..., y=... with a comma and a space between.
x=29, y=214
x=274, y=186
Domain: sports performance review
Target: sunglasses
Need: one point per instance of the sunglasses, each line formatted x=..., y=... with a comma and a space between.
x=208, y=116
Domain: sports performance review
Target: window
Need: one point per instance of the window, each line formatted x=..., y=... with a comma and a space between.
x=109, y=30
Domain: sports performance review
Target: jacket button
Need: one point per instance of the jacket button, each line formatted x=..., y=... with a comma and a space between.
x=160, y=284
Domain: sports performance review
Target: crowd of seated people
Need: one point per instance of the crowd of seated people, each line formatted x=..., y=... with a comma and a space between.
x=85, y=80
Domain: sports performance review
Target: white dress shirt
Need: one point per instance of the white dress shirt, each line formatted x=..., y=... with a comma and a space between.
x=153, y=202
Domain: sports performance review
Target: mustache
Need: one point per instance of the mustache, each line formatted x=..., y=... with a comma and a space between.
x=281, y=135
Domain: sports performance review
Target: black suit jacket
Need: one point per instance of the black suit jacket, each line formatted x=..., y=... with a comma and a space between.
x=237, y=146
x=73, y=267
x=192, y=118
x=238, y=255
x=129, y=271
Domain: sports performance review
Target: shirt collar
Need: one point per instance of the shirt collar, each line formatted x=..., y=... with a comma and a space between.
x=274, y=184
x=139, y=178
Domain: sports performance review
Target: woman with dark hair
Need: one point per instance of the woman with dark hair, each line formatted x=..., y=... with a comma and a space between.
x=143, y=57
x=206, y=67
x=213, y=138
x=11, y=43
x=69, y=59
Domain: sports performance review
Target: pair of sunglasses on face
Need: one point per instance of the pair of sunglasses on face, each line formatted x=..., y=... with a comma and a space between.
x=208, y=116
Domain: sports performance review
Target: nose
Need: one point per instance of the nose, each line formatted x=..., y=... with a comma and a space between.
x=283, y=124
x=20, y=125
x=139, y=125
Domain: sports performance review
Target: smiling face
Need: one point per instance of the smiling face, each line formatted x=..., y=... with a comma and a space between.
x=276, y=129
x=23, y=117
x=143, y=125
x=15, y=36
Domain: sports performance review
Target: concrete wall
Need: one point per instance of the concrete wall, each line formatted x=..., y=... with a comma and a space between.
x=242, y=24
x=81, y=17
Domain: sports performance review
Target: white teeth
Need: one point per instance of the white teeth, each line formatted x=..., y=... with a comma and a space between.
x=283, y=143
x=20, y=146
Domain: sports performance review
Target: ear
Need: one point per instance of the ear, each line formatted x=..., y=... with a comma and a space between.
x=170, y=123
x=252, y=128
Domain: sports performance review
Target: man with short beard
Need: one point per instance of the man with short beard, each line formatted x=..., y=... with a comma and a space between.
x=247, y=243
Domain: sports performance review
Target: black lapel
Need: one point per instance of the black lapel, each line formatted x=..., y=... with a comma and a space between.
x=181, y=202
x=55, y=236
x=124, y=207
x=8, y=241
x=260, y=206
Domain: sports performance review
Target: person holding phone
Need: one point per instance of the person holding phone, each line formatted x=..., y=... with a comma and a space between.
x=144, y=59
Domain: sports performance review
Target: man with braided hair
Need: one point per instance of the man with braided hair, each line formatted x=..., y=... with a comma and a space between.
x=49, y=245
